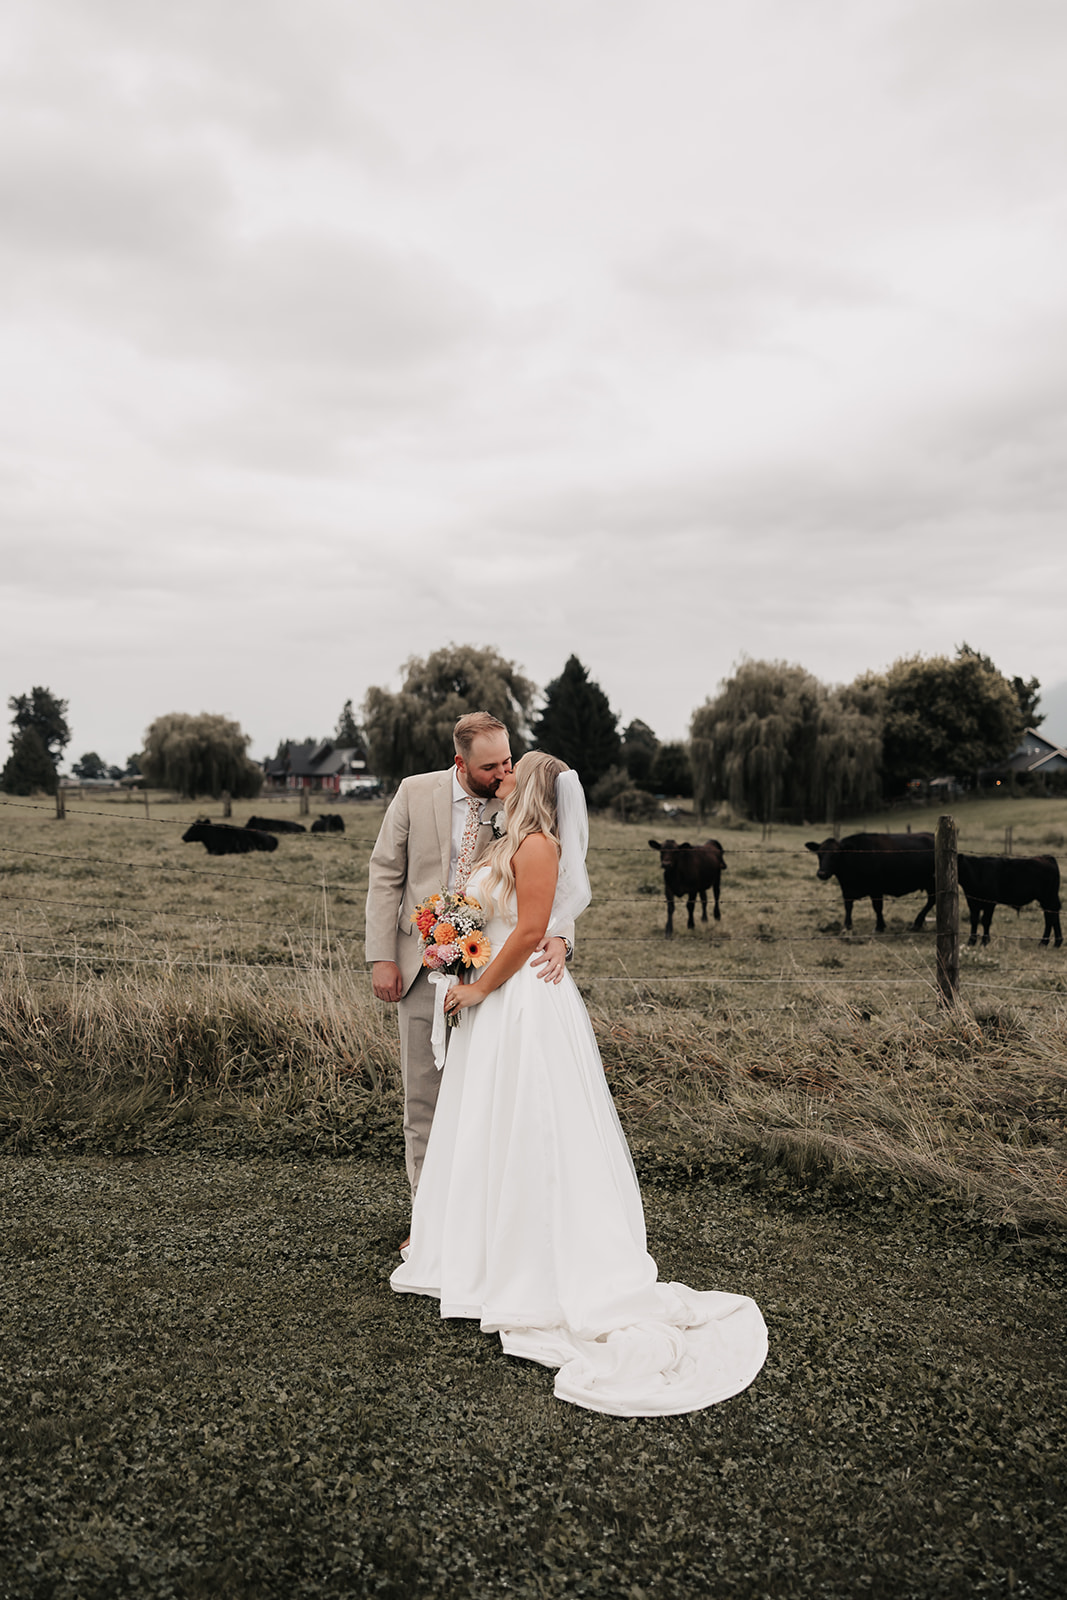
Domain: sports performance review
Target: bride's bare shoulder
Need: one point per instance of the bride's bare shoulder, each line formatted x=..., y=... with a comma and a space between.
x=537, y=848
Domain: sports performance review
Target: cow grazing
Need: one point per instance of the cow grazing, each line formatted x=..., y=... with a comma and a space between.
x=690, y=870
x=275, y=825
x=991, y=881
x=879, y=864
x=327, y=822
x=222, y=839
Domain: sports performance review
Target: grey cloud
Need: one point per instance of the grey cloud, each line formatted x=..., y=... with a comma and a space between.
x=70, y=203
x=307, y=297
x=729, y=287
x=270, y=73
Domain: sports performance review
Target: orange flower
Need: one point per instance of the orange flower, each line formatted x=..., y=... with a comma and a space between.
x=475, y=949
x=444, y=933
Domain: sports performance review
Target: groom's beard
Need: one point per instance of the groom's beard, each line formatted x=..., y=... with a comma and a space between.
x=484, y=791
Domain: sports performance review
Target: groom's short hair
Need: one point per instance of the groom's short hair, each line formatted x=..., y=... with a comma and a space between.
x=469, y=727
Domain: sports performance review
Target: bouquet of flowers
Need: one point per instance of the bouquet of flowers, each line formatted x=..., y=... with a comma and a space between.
x=450, y=926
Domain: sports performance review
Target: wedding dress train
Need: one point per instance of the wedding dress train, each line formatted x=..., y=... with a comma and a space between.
x=528, y=1217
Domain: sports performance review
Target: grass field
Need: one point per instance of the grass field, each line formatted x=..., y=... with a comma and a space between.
x=211, y=1389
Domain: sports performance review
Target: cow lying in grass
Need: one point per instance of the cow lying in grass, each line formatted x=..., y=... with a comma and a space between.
x=991, y=881
x=275, y=825
x=222, y=839
x=328, y=823
x=690, y=870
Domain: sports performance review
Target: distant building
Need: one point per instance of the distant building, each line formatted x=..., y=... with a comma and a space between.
x=1035, y=757
x=321, y=767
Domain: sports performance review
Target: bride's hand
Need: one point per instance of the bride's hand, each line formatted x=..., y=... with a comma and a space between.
x=460, y=995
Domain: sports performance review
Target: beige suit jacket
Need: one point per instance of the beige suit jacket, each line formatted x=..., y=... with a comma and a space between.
x=409, y=862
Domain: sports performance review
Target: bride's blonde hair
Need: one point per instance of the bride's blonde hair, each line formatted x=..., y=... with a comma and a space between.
x=529, y=808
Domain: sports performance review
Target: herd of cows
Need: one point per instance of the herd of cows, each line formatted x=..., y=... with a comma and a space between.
x=866, y=865
x=258, y=833
x=877, y=865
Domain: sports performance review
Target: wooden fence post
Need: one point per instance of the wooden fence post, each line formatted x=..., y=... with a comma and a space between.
x=61, y=805
x=303, y=801
x=227, y=803
x=1007, y=839
x=947, y=888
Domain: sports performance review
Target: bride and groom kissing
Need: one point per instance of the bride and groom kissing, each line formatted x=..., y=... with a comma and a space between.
x=526, y=1211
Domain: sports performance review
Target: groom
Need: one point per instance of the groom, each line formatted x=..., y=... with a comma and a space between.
x=423, y=836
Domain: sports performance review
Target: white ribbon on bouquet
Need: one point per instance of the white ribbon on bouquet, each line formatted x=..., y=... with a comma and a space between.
x=442, y=982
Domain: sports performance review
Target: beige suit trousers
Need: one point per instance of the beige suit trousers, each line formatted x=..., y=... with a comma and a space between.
x=409, y=862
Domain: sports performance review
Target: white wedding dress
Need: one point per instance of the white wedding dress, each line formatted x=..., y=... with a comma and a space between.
x=528, y=1217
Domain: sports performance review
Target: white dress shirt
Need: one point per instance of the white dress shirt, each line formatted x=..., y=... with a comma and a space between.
x=459, y=822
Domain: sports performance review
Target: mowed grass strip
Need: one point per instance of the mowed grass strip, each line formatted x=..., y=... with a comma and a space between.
x=211, y=1390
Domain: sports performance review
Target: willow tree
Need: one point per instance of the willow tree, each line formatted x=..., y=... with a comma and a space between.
x=411, y=731
x=205, y=754
x=776, y=737
x=848, y=758
x=754, y=744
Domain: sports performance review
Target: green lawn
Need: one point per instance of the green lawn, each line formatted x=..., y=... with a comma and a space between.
x=211, y=1390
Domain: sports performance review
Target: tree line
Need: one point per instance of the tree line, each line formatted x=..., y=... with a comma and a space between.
x=773, y=739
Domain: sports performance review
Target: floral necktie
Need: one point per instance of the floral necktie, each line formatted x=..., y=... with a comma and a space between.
x=465, y=859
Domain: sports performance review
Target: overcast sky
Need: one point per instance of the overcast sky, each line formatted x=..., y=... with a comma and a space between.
x=663, y=332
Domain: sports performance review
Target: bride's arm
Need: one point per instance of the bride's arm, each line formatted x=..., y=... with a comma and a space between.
x=536, y=864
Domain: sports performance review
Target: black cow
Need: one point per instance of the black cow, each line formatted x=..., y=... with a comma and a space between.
x=991, y=881
x=879, y=864
x=327, y=822
x=275, y=825
x=222, y=839
x=690, y=870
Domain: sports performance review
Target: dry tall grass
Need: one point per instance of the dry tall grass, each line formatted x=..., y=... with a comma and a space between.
x=143, y=981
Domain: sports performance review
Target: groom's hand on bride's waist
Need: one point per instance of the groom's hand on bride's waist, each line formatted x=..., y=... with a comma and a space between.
x=550, y=958
x=385, y=980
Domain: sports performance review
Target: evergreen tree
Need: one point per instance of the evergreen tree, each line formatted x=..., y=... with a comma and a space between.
x=639, y=746
x=671, y=773
x=1028, y=694
x=349, y=735
x=412, y=731
x=40, y=709
x=199, y=755
x=578, y=725
x=29, y=768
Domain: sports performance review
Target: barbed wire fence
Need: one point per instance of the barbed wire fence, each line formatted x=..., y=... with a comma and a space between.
x=328, y=932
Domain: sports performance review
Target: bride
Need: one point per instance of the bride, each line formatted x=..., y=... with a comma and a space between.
x=528, y=1214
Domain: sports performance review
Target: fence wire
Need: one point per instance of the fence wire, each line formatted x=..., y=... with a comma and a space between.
x=324, y=930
